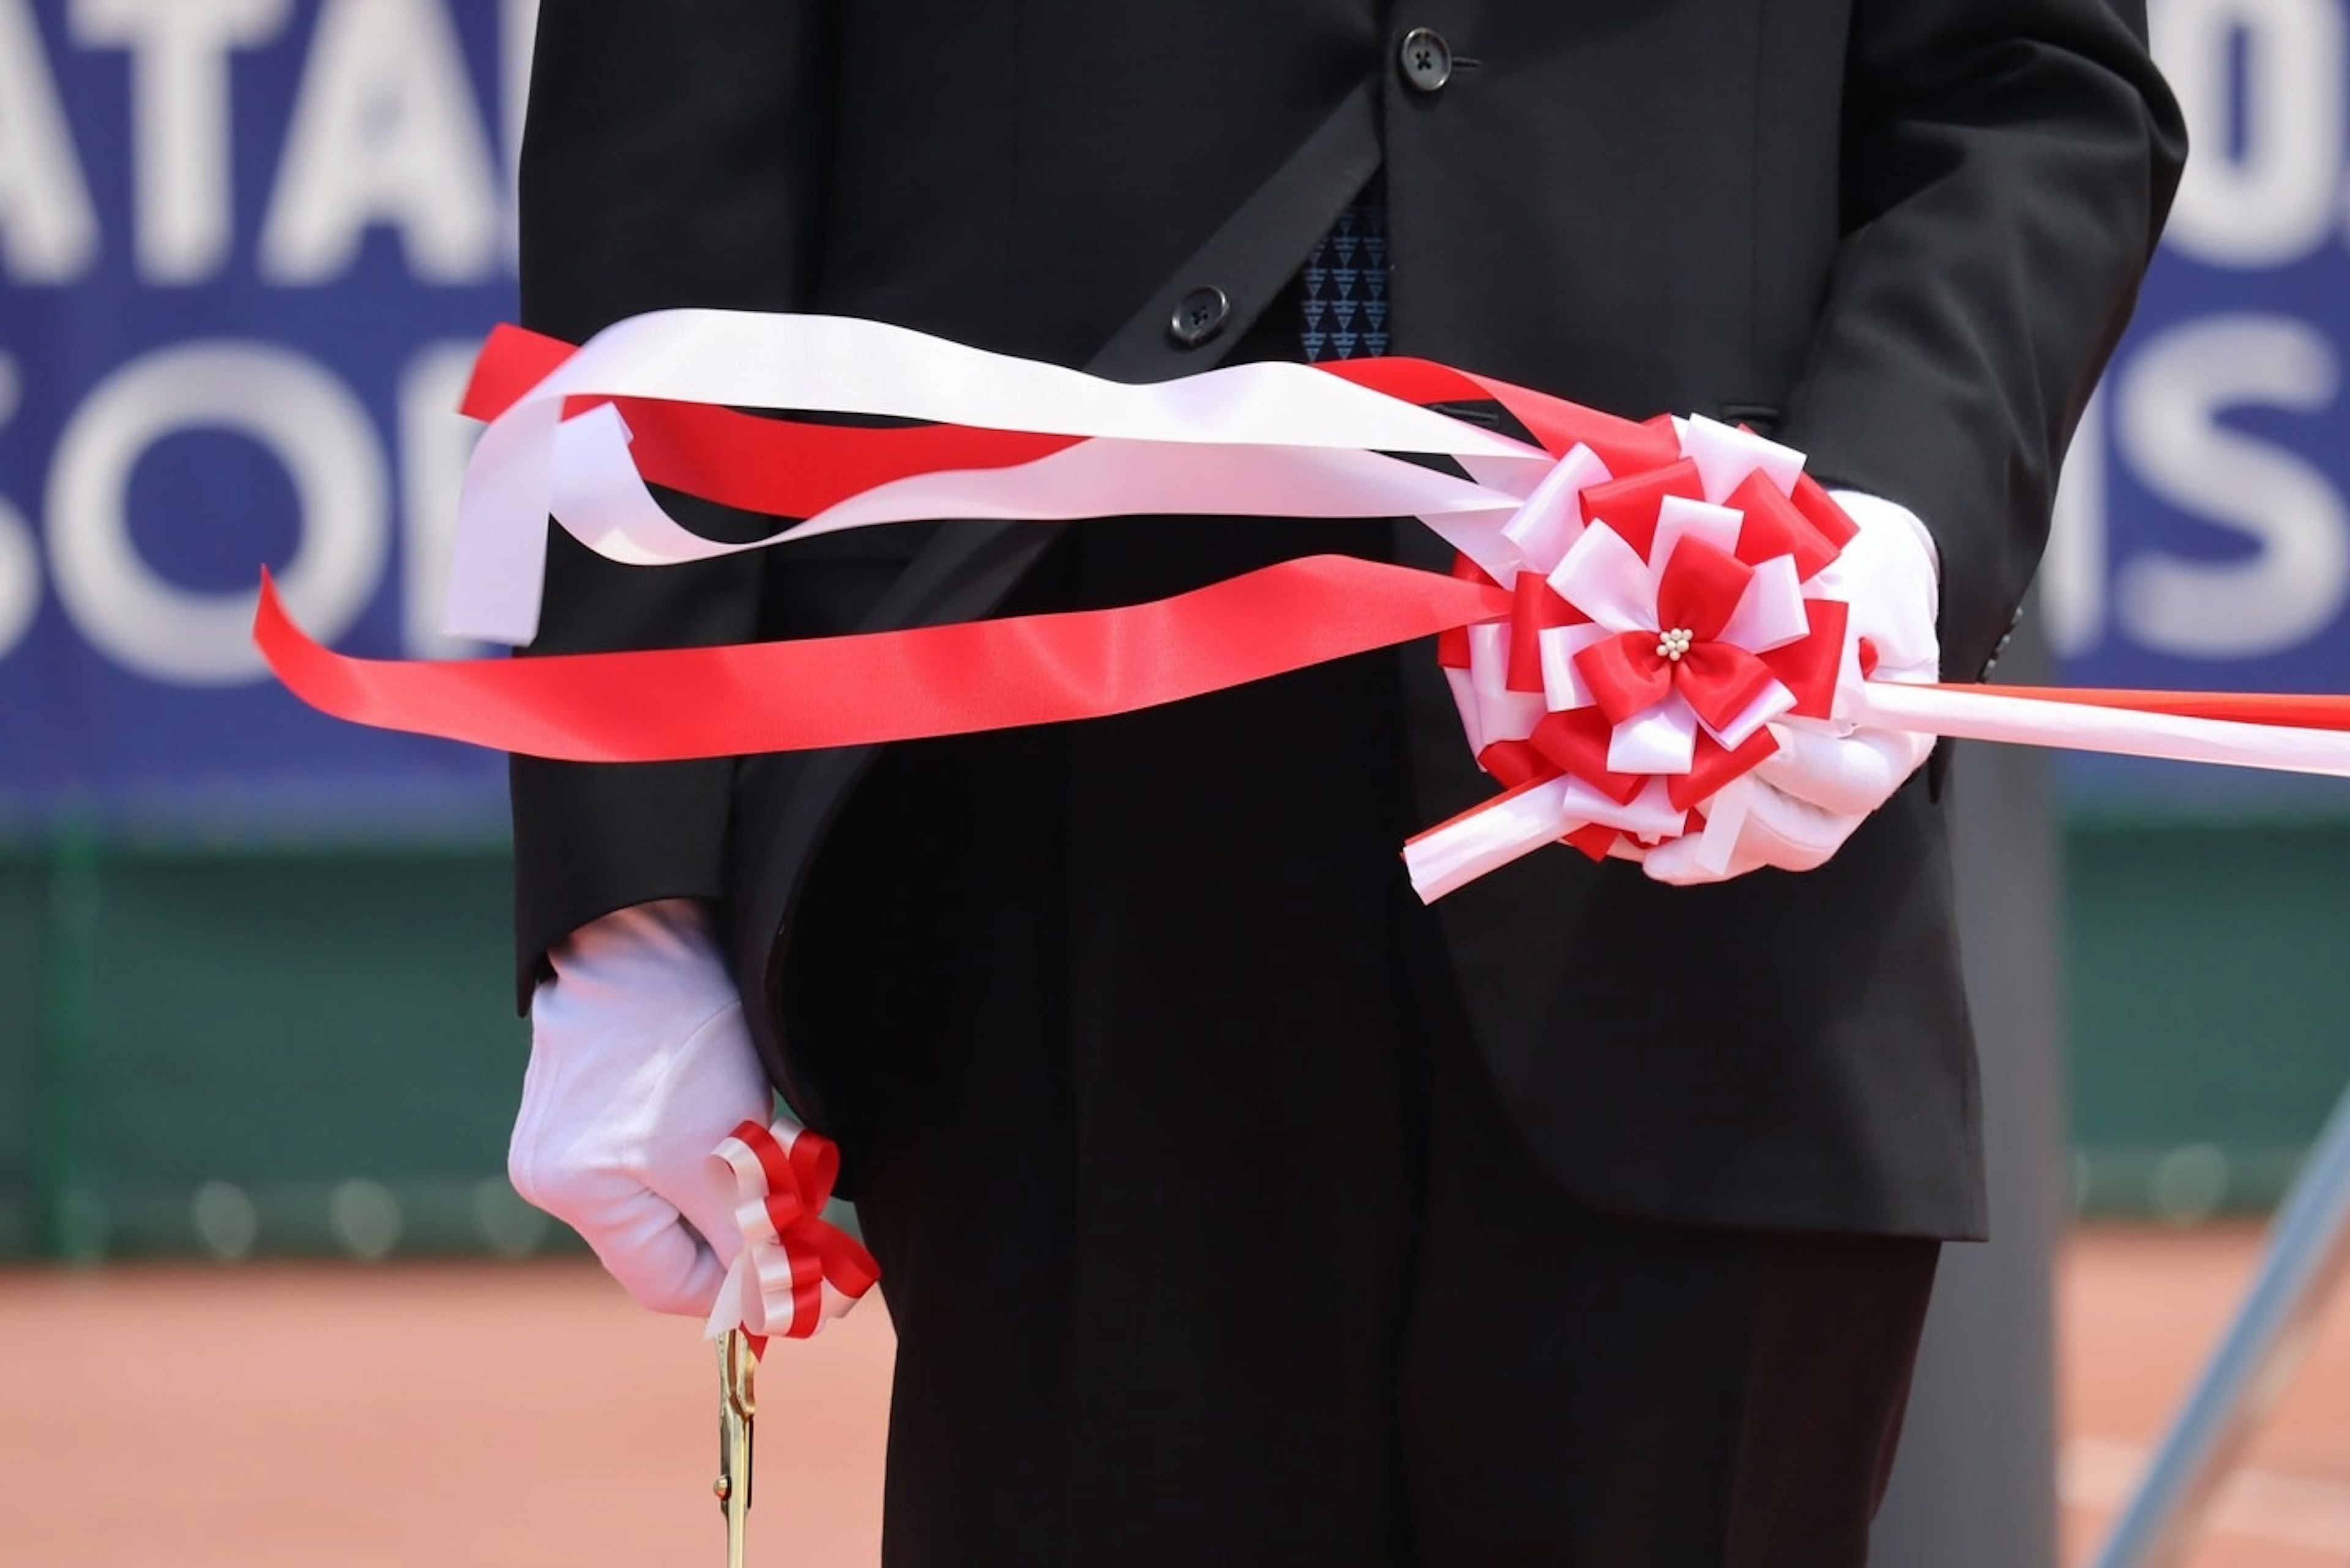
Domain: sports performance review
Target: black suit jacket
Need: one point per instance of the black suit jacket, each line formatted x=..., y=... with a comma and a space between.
x=1900, y=234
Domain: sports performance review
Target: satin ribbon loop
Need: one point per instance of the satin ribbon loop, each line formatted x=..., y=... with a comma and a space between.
x=1812, y=667
x=1699, y=589
x=1515, y=762
x=1535, y=608
x=1722, y=682
x=1833, y=523
x=1774, y=525
x=1631, y=504
x=1715, y=767
x=1575, y=742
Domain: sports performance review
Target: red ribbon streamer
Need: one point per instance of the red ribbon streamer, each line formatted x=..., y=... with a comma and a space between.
x=740, y=700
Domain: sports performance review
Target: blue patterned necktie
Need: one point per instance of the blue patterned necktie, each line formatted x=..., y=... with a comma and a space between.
x=1344, y=284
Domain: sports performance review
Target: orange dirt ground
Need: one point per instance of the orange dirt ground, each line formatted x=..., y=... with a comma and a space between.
x=463, y=1414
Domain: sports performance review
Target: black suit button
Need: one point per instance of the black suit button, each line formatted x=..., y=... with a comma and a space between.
x=1200, y=314
x=1425, y=59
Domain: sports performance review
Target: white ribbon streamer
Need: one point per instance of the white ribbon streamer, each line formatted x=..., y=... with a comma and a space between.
x=525, y=468
x=1962, y=715
x=1451, y=857
x=602, y=500
x=1447, y=858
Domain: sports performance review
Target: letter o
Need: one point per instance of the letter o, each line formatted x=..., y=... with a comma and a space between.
x=2277, y=197
x=304, y=418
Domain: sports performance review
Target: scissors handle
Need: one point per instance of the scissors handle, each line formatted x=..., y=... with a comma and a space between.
x=738, y=1406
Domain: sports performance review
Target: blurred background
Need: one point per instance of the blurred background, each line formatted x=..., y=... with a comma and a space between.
x=254, y=994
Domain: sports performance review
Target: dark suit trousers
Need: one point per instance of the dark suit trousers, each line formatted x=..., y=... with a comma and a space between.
x=1206, y=1238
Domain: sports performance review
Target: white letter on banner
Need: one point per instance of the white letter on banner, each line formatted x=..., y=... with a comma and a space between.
x=518, y=42
x=48, y=229
x=20, y=563
x=386, y=131
x=2073, y=576
x=20, y=578
x=434, y=442
x=302, y=416
x=180, y=112
x=2171, y=398
x=2275, y=196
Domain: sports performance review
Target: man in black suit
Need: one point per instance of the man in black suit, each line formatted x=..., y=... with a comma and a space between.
x=1229, y=1203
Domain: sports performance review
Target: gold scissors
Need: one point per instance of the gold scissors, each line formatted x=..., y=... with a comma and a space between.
x=738, y=1367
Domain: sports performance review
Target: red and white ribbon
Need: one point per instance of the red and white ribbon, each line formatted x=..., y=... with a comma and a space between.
x=1636, y=606
x=797, y=1270
x=1281, y=439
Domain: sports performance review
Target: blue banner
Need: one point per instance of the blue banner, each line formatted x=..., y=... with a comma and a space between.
x=248, y=247
x=2203, y=536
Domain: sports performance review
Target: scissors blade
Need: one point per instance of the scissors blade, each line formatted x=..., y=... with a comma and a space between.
x=738, y=1406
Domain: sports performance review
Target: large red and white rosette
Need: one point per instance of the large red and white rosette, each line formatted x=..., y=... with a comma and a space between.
x=1660, y=623
x=1639, y=611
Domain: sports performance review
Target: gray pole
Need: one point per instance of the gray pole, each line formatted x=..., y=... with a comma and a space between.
x=1976, y=1480
x=2309, y=1242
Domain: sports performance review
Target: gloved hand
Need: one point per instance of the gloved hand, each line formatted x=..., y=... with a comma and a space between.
x=639, y=1063
x=1810, y=795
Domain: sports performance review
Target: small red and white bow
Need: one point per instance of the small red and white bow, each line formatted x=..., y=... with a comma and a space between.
x=796, y=1270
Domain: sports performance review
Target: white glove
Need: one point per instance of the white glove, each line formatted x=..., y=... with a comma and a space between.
x=1811, y=794
x=639, y=1063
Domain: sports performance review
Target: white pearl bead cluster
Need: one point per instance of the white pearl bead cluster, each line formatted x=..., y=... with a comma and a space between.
x=1674, y=643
